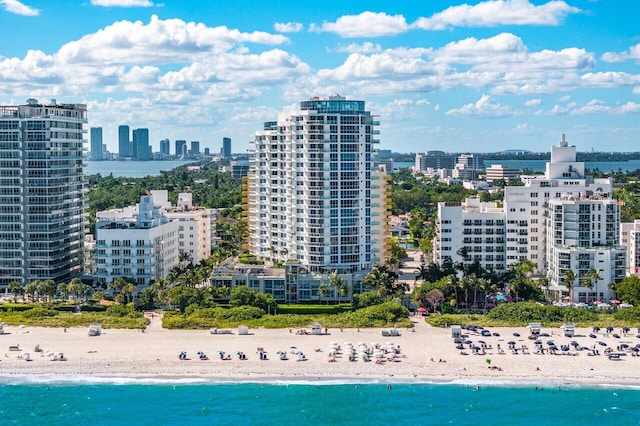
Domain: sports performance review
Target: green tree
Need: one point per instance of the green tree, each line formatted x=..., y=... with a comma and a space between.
x=628, y=290
x=594, y=275
x=47, y=288
x=31, y=288
x=336, y=283
x=15, y=287
x=568, y=280
x=75, y=287
x=244, y=296
x=63, y=288
x=322, y=291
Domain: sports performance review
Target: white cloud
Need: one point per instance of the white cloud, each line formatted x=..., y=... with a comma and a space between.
x=172, y=60
x=498, y=12
x=564, y=98
x=366, y=24
x=633, y=53
x=485, y=107
x=159, y=41
x=533, y=102
x=122, y=3
x=636, y=90
x=596, y=106
x=288, y=27
x=14, y=6
x=366, y=47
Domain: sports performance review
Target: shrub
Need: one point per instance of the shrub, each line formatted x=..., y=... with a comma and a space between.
x=39, y=312
x=630, y=315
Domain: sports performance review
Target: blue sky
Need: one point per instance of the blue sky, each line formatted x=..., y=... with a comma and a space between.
x=478, y=76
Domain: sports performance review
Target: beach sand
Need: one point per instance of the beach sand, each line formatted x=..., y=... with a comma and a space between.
x=426, y=354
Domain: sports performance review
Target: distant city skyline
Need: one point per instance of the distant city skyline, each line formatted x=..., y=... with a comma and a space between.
x=443, y=75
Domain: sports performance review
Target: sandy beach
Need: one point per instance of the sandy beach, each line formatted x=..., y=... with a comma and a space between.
x=425, y=354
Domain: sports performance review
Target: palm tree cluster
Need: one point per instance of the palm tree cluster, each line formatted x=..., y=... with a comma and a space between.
x=467, y=285
x=46, y=290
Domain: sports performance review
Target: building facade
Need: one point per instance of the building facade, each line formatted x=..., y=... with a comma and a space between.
x=124, y=142
x=144, y=249
x=630, y=239
x=434, y=160
x=499, y=172
x=526, y=220
x=311, y=193
x=42, y=187
x=226, y=147
x=180, y=147
x=141, y=147
x=165, y=147
x=166, y=232
x=582, y=235
x=96, y=144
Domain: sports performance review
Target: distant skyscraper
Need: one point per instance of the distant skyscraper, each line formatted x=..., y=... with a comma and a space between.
x=123, y=142
x=206, y=152
x=195, y=148
x=42, y=197
x=180, y=143
x=164, y=146
x=226, y=147
x=96, y=143
x=141, y=144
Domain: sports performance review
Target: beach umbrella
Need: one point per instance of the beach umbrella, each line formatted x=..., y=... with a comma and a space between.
x=511, y=343
x=468, y=342
x=624, y=346
x=602, y=343
x=596, y=329
x=609, y=329
x=516, y=334
x=488, y=360
x=496, y=334
x=626, y=329
x=593, y=336
x=550, y=342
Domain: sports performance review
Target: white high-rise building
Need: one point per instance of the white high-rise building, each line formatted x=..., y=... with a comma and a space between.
x=42, y=182
x=630, y=239
x=582, y=235
x=168, y=231
x=525, y=205
x=527, y=216
x=143, y=247
x=312, y=192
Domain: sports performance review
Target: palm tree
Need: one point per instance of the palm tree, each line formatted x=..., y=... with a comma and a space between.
x=594, y=276
x=15, y=287
x=336, y=283
x=568, y=280
x=74, y=287
x=32, y=289
x=47, y=288
x=63, y=288
x=322, y=291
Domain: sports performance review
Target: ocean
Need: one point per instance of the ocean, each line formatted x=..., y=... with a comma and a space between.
x=127, y=402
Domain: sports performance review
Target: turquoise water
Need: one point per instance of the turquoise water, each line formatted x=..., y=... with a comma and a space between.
x=312, y=404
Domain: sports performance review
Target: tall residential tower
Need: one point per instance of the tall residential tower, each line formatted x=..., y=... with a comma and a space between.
x=313, y=193
x=42, y=191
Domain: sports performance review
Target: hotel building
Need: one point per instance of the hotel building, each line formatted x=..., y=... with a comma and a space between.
x=42, y=218
x=528, y=224
x=144, y=242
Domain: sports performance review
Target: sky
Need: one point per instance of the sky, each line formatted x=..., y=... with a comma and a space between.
x=480, y=76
